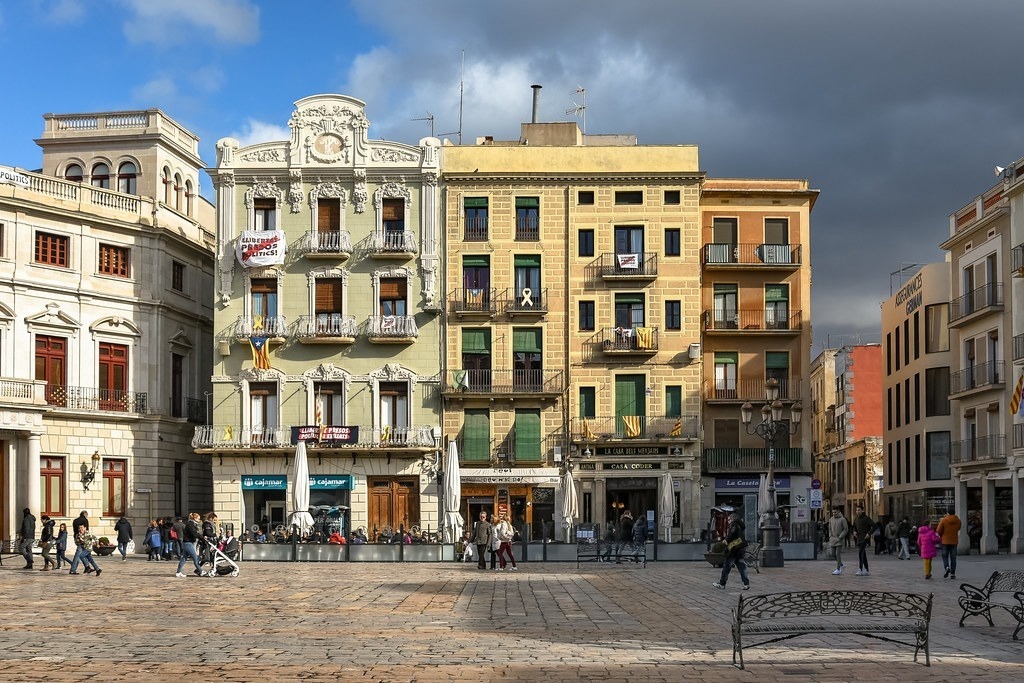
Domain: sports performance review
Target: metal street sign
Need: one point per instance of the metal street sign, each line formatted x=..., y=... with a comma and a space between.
x=816, y=495
x=816, y=483
x=815, y=504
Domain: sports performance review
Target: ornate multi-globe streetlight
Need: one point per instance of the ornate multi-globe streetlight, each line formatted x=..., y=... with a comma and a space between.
x=771, y=427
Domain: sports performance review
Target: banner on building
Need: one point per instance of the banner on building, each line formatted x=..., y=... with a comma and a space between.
x=1017, y=391
x=335, y=434
x=261, y=248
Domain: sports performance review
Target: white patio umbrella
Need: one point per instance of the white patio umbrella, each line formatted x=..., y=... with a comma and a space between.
x=300, y=516
x=666, y=505
x=570, y=503
x=762, y=496
x=452, y=494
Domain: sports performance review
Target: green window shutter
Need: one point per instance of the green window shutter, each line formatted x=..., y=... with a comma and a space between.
x=776, y=293
x=727, y=357
x=527, y=340
x=588, y=402
x=475, y=261
x=527, y=261
x=475, y=202
x=673, y=401
x=725, y=289
x=527, y=202
x=629, y=395
x=776, y=360
x=476, y=340
x=476, y=435
x=527, y=428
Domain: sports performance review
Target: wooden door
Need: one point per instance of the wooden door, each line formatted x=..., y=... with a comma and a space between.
x=393, y=503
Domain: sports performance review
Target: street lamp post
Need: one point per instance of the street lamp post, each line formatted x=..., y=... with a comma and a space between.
x=770, y=428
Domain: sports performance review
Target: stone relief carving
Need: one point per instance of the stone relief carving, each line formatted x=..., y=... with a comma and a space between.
x=430, y=178
x=257, y=375
x=393, y=156
x=429, y=280
x=327, y=190
x=392, y=372
x=263, y=155
x=226, y=148
x=331, y=119
x=327, y=372
x=264, y=190
x=360, y=195
x=328, y=272
x=295, y=191
x=390, y=189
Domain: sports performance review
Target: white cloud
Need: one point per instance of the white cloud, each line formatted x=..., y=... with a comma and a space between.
x=165, y=23
x=157, y=92
x=65, y=11
x=254, y=131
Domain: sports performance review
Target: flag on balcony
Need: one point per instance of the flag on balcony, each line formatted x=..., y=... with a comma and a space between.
x=260, y=353
x=677, y=428
x=628, y=261
x=631, y=423
x=644, y=337
x=1017, y=391
x=587, y=434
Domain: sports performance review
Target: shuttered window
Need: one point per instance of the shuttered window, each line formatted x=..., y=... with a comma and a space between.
x=777, y=360
x=476, y=340
x=776, y=293
x=527, y=428
x=328, y=217
x=393, y=215
x=527, y=340
x=328, y=296
x=476, y=435
x=393, y=288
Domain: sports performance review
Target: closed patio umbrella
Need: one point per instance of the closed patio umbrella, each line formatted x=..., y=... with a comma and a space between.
x=453, y=522
x=666, y=505
x=570, y=503
x=300, y=492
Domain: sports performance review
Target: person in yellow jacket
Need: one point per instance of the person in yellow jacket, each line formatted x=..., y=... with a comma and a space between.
x=949, y=531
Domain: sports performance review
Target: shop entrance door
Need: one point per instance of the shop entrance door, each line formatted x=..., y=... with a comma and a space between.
x=394, y=503
x=275, y=512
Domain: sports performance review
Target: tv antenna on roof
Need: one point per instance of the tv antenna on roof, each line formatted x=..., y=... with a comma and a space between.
x=579, y=109
x=429, y=117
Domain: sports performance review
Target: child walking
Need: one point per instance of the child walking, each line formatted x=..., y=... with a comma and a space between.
x=927, y=544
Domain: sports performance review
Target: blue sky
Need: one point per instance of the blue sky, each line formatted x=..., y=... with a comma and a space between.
x=896, y=111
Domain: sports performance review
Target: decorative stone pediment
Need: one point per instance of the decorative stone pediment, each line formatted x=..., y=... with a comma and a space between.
x=267, y=153
x=390, y=189
x=257, y=375
x=327, y=372
x=321, y=190
x=115, y=325
x=393, y=372
x=328, y=272
x=392, y=153
x=6, y=313
x=179, y=340
x=52, y=317
x=329, y=129
x=264, y=190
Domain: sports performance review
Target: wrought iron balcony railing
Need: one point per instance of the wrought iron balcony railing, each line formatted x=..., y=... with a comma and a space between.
x=629, y=266
x=751, y=254
x=91, y=398
x=752, y=320
x=987, y=296
x=333, y=327
x=476, y=229
x=504, y=382
x=525, y=301
x=629, y=340
x=752, y=390
x=976, y=377
x=397, y=242
x=1018, y=435
x=753, y=460
x=1017, y=260
x=260, y=326
x=1018, y=346
x=527, y=229
x=393, y=327
x=326, y=243
x=474, y=301
x=370, y=438
x=596, y=429
x=991, y=448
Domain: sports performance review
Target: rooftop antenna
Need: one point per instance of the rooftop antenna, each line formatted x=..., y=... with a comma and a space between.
x=429, y=117
x=579, y=109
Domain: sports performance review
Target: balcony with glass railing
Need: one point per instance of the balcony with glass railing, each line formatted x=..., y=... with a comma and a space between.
x=981, y=376
x=393, y=244
x=622, y=427
x=982, y=449
x=637, y=265
x=392, y=329
x=538, y=383
x=984, y=299
x=628, y=341
x=326, y=328
x=752, y=460
x=753, y=320
x=326, y=244
x=725, y=255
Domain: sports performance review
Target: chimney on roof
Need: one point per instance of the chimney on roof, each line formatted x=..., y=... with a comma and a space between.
x=536, y=101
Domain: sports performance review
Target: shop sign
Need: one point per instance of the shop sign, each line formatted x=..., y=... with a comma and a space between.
x=332, y=481
x=748, y=482
x=632, y=450
x=509, y=475
x=332, y=434
x=586, y=466
x=631, y=466
x=264, y=482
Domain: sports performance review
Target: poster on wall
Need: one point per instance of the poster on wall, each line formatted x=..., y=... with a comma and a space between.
x=260, y=248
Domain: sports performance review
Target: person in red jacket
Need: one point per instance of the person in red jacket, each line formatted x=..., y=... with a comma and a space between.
x=949, y=531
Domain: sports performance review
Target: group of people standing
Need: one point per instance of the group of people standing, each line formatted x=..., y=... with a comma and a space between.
x=625, y=534
x=494, y=536
x=52, y=538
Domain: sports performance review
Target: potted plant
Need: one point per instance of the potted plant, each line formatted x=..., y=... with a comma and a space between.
x=104, y=547
x=716, y=556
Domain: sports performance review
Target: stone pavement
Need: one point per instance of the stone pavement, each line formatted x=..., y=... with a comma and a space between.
x=452, y=622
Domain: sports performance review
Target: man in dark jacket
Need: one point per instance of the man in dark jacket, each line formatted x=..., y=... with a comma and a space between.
x=124, y=534
x=736, y=548
x=28, y=536
x=863, y=526
x=639, y=537
x=481, y=539
x=903, y=534
x=625, y=534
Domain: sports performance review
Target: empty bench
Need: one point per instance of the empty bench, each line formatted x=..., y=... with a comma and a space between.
x=1003, y=590
x=775, y=617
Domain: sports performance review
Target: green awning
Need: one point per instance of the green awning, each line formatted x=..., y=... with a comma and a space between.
x=475, y=202
x=476, y=340
x=527, y=261
x=727, y=357
x=527, y=340
x=776, y=293
x=527, y=202
x=476, y=261
x=776, y=360
x=725, y=289
x=629, y=298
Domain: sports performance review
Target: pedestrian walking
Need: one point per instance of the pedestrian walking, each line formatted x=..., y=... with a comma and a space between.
x=492, y=542
x=639, y=537
x=46, y=542
x=838, y=531
x=609, y=542
x=862, y=529
x=927, y=544
x=625, y=534
x=903, y=534
x=481, y=539
x=85, y=542
x=192, y=533
x=80, y=524
x=891, y=537
x=736, y=545
x=949, y=531
x=61, y=544
x=176, y=534
x=123, y=528
x=505, y=533
x=27, y=536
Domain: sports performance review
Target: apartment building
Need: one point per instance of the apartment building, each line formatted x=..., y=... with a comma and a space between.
x=106, y=262
x=916, y=385
x=821, y=422
x=327, y=323
x=756, y=327
x=573, y=325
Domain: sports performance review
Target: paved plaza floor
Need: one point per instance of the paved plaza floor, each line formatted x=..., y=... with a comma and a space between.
x=453, y=622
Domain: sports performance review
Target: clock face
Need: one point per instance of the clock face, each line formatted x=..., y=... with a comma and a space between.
x=328, y=145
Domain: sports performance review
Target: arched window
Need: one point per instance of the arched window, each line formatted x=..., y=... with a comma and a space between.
x=101, y=176
x=177, y=191
x=166, y=179
x=73, y=173
x=126, y=178
x=188, y=197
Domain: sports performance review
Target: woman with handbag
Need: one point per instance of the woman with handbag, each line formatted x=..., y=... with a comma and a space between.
x=736, y=546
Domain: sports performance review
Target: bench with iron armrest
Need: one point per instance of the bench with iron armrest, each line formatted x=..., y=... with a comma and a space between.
x=1004, y=590
x=752, y=556
x=780, y=616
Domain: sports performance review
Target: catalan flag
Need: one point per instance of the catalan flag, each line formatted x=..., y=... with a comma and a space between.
x=1017, y=392
x=260, y=353
x=677, y=428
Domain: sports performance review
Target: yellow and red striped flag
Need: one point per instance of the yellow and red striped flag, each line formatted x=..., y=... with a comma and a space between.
x=1017, y=391
x=260, y=353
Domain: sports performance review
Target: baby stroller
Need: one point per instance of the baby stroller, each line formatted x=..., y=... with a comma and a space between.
x=222, y=557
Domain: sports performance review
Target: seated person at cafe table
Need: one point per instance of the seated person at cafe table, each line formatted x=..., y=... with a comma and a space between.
x=336, y=539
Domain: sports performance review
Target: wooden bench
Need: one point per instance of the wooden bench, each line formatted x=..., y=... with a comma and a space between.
x=1004, y=590
x=780, y=616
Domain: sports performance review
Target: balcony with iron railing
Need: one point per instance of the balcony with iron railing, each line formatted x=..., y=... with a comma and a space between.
x=981, y=376
x=982, y=449
x=752, y=460
x=332, y=244
x=527, y=229
x=525, y=302
x=752, y=390
x=475, y=229
x=988, y=297
x=386, y=438
x=1017, y=261
x=270, y=326
x=638, y=265
x=473, y=302
x=91, y=398
x=628, y=340
x=542, y=383
x=621, y=427
x=751, y=254
x=392, y=329
x=753, y=320
x=326, y=328
x=1018, y=346
x=393, y=244
x=515, y=451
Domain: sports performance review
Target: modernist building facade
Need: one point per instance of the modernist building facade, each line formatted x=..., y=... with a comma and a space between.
x=328, y=291
x=756, y=326
x=106, y=262
x=916, y=386
x=572, y=325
